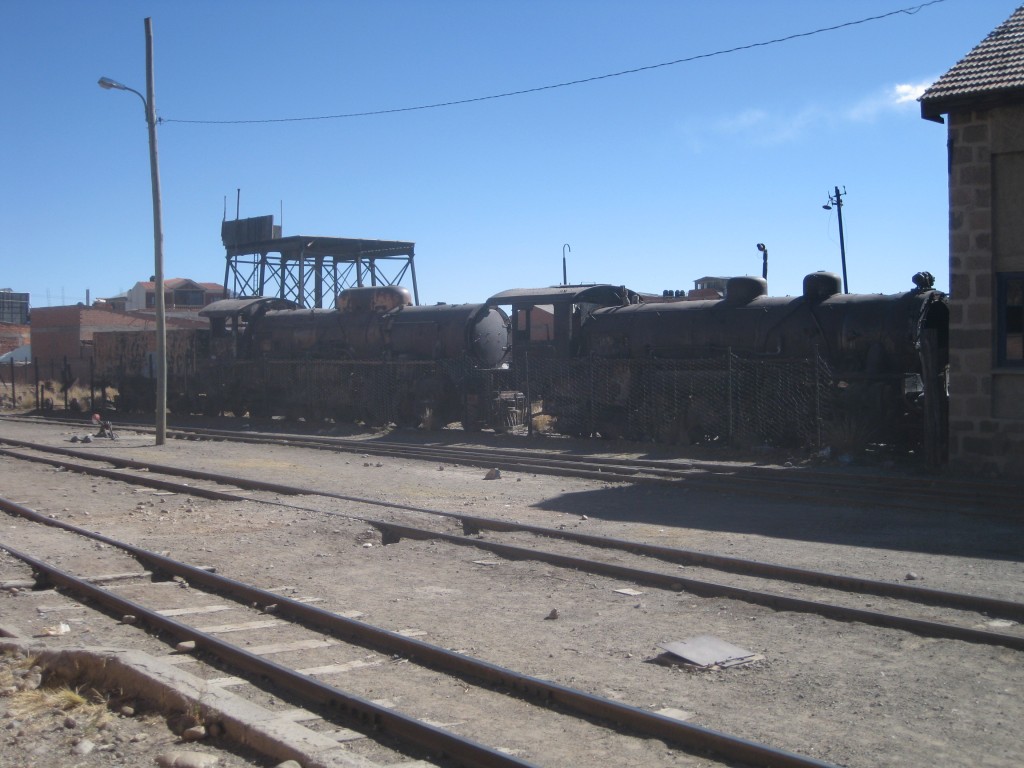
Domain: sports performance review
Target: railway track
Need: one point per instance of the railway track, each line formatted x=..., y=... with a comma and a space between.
x=926, y=493
x=840, y=598
x=359, y=712
x=967, y=610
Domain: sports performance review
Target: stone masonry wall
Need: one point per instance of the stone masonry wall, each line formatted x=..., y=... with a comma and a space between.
x=979, y=442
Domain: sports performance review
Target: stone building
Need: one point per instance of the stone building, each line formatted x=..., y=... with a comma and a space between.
x=983, y=97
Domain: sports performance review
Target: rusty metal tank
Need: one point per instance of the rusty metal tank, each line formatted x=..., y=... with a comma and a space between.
x=869, y=333
x=380, y=324
x=447, y=332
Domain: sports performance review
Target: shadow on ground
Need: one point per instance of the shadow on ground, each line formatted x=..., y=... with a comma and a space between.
x=940, y=533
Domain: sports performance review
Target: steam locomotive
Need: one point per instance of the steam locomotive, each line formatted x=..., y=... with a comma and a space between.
x=377, y=358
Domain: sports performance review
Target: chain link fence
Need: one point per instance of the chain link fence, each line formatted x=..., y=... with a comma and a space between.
x=431, y=394
x=724, y=399
x=727, y=398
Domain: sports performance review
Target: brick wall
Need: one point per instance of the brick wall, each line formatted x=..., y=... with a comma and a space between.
x=60, y=333
x=981, y=440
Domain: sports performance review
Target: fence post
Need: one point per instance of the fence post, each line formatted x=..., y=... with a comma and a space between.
x=817, y=395
x=14, y=391
x=529, y=400
x=65, y=384
x=590, y=398
x=39, y=399
x=92, y=385
x=732, y=436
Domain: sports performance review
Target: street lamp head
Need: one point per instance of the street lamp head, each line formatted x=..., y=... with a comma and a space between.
x=827, y=207
x=108, y=84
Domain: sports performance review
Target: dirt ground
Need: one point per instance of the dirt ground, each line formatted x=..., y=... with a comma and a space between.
x=849, y=694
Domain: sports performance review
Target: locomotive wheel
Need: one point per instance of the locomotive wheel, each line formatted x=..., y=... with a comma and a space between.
x=406, y=416
x=428, y=416
x=238, y=408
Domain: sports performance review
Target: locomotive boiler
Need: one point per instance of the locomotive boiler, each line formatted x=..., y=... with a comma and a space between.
x=885, y=355
x=430, y=352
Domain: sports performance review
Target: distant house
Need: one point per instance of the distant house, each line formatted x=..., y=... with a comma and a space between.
x=62, y=337
x=180, y=295
x=983, y=96
x=708, y=288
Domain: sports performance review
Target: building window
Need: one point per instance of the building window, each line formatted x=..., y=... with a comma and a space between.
x=1010, y=318
x=150, y=300
x=189, y=298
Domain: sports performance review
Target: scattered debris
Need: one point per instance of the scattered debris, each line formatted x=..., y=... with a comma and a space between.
x=911, y=576
x=706, y=652
x=59, y=629
x=195, y=733
x=182, y=759
x=553, y=615
x=675, y=714
x=493, y=474
x=628, y=591
x=1000, y=623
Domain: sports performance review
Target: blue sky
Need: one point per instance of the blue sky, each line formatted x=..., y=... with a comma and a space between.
x=654, y=179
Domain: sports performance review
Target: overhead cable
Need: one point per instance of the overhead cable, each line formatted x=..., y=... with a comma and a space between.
x=908, y=11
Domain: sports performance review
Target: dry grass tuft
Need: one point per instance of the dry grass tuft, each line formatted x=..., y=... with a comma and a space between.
x=90, y=708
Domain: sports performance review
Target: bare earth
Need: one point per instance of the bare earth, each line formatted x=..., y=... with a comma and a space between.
x=845, y=693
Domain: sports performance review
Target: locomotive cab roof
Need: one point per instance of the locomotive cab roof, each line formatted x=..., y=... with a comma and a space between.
x=245, y=306
x=606, y=295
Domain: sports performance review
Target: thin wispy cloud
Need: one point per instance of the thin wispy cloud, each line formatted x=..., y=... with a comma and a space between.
x=765, y=127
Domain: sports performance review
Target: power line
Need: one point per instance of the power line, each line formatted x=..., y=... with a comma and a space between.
x=908, y=11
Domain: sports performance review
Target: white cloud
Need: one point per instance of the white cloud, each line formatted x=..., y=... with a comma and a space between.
x=764, y=127
x=907, y=92
x=900, y=96
x=748, y=120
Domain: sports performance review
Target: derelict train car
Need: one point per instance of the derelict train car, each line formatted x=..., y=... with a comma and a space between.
x=375, y=358
x=594, y=360
x=661, y=370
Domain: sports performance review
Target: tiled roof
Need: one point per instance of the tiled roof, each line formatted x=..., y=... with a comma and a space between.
x=991, y=73
x=172, y=283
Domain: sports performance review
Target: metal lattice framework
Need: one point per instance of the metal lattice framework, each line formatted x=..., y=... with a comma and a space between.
x=309, y=270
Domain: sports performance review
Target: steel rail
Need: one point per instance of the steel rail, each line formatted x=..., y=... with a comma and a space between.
x=690, y=736
x=963, y=490
x=113, y=474
x=364, y=714
x=393, y=533
x=473, y=524
x=756, y=480
x=961, y=497
x=989, y=605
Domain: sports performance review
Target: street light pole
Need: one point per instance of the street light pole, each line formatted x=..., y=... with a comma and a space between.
x=158, y=235
x=565, y=278
x=837, y=201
